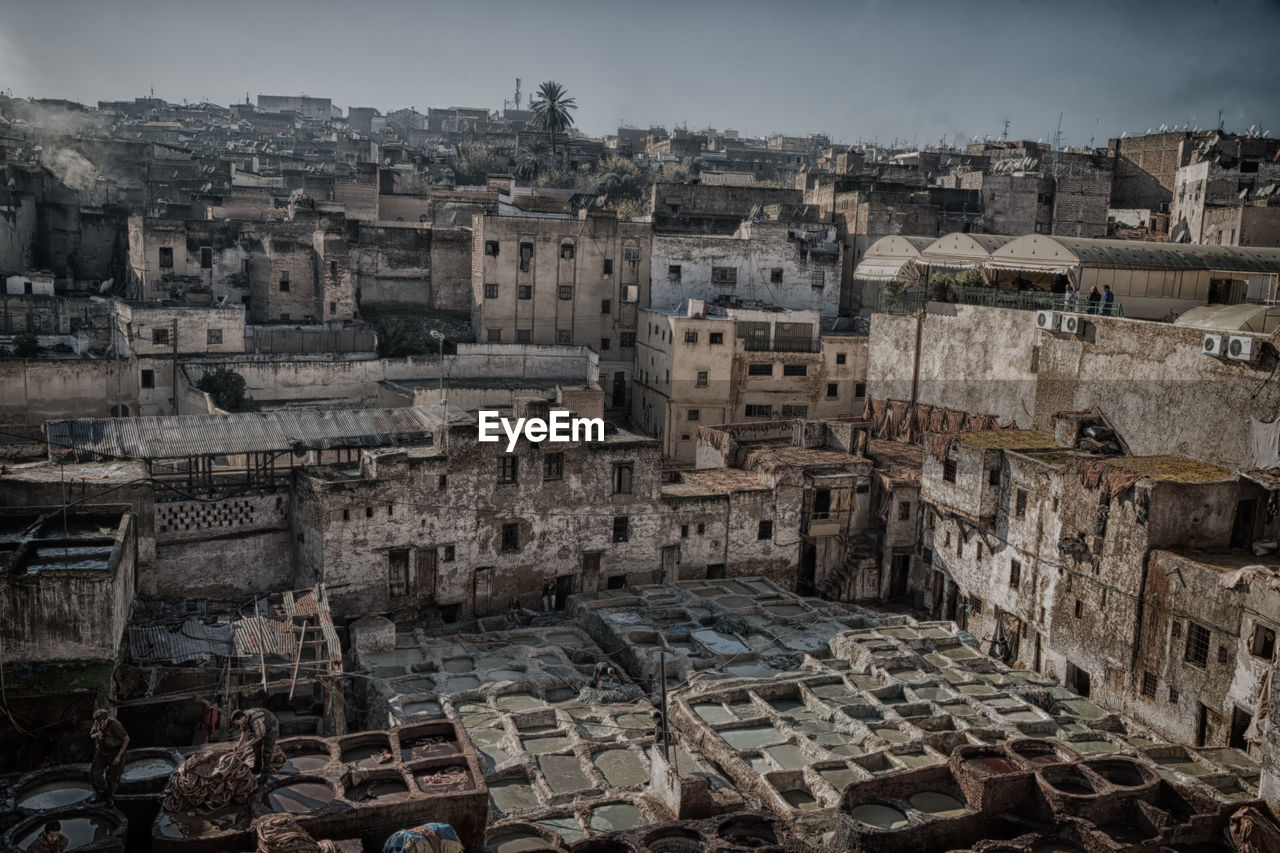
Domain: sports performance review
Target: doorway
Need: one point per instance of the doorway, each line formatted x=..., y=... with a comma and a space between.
x=1242, y=528
x=808, y=567
x=670, y=563
x=1077, y=679
x=619, y=390
x=899, y=570
x=1240, y=722
x=590, y=571
x=564, y=589
x=482, y=591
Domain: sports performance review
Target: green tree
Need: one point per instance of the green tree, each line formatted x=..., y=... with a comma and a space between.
x=531, y=160
x=552, y=111
x=226, y=387
x=474, y=164
x=970, y=278
x=26, y=345
x=940, y=286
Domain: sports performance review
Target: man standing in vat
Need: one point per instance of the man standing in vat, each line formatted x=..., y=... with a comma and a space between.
x=110, y=741
x=259, y=730
x=50, y=841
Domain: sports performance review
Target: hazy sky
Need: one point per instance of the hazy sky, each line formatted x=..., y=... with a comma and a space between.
x=854, y=70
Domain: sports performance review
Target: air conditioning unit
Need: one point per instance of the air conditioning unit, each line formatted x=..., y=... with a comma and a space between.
x=1072, y=324
x=1242, y=348
x=1215, y=345
x=1047, y=320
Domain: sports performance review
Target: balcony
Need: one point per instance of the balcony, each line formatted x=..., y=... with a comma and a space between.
x=911, y=301
x=830, y=523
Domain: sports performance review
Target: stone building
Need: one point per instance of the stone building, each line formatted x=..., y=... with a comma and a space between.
x=563, y=281
x=702, y=366
x=1217, y=181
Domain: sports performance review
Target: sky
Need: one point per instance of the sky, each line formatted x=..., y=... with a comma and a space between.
x=857, y=71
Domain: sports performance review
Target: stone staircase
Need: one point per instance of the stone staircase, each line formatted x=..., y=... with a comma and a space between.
x=862, y=548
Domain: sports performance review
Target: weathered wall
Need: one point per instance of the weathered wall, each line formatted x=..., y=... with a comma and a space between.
x=36, y=390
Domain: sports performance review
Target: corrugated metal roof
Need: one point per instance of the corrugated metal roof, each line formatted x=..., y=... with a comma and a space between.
x=167, y=437
x=193, y=640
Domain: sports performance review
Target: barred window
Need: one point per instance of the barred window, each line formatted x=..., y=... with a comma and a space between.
x=1197, y=650
x=949, y=471
x=1149, y=685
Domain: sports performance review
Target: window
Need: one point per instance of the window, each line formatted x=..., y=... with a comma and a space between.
x=213, y=336
x=756, y=410
x=442, y=482
x=552, y=466
x=333, y=308
x=702, y=528
x=1079, y=611
x=833, y=390
x=509, y=469
x=368, y=512
x=695, y=414
x=346, y=515
x=993, y=477
x=673, y=272
x=494, y=336
x=491, y=291
x=566, y=292
x=1176, y=629
x=716, y=337
x=627, y=340
x=206, y=258
x=949, y=470
x=1197, y=650
x=604, y=344
x=1015, y=573
x=566, y=251
x=148, y=379
x=1222, y=654
x=621, y=528
x=1263, y=644
x=510, y=537
x=1173, y=695
x=684, y=436
x=1149, y=685
x=727, y=276
x=160, y=337
x=333, y=267
x=904, y=510
x=284, y=316
x=622, y=478
x=860, y=389
x=524, y=336
x=398, y=571
x=166, y=257
x=616, y=582
x=702, y=379
x=841, y=357
x=284, y=281
x=715, y=571
x=526, y=255
x=759, y=369
x=564, y=337
x=775, y=275
x=523, y=291
x=1020, y=504
x=684, y=531
x=818, y=279
x=608, y=268
x=795, y=411
x=690, y=337
x=449, y=554
x=630, y=293
x=491, y=248
x=631, y=254
x=606, y=306
x=795, y=370
x=764, y=530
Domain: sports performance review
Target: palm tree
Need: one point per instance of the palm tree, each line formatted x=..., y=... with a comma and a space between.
x=551, y=111
x=530, y=159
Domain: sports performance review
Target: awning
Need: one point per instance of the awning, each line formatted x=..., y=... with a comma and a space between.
x=884, y=269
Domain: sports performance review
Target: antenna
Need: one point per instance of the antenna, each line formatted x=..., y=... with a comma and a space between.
x=517, y=93
x=1057, y=135
x=1004, y=135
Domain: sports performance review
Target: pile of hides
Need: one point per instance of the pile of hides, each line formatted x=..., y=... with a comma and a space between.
x=280, y=833
x=213, y=780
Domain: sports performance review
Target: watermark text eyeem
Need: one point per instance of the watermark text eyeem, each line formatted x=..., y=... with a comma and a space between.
x=560, y=428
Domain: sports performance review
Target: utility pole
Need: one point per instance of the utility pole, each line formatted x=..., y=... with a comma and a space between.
x=174, y=335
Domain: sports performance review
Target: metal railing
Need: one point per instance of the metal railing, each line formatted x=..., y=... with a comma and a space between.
x=909, y=302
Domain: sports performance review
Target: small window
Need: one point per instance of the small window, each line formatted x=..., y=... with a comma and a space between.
x=213, y=336
x=1263, y=644
x=627, y=340
x=333, y=267
x=526, y=256
x=684, y=531
x=284, y=281
x=727, y=276
x=566, y=292
x=346, y=515
x=442, y=482
x=833, y=390
x=1173, y=695
x=630, y=293
x=715, y=571
x=491, y=248
x=904, y=510
x=764, y=530
x=510, y=537
x=759, y=369
x=166, y=257
x=616, y=582
x=1020, y=504
x=604, y=344
x=716, y=337
x=631, y=254
x=523, y=291
x=993, y=477
x=148, y=379
x=757, y=410
x=160, y=337
x=695, y=414
x=795, y=370
x=860, y=390
x=794, y=412
x=1015, y=573
x=1079, y=610
x=1176, y=629
x=1197, y=648
x=775, y=275
x=1223, y=655
x=621, y=528
x=491, y=291
x=608, y=267
x=673, y=272
x=566, y=251
x=606, y=306
x=333, y=308
x=690, y=337
x=524, y=336
x=449, y=554
x=702, y=379
x=949, y=470
x=368, y=512
x=1149, y=683
x=622, y=473
x=702, y=528
x=564, y=337
x=509, y=469
x=493, y=336
x=841, y=357
x=206, y=258
x=552, y=466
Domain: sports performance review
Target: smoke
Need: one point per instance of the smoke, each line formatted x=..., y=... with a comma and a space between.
x=72, y=169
